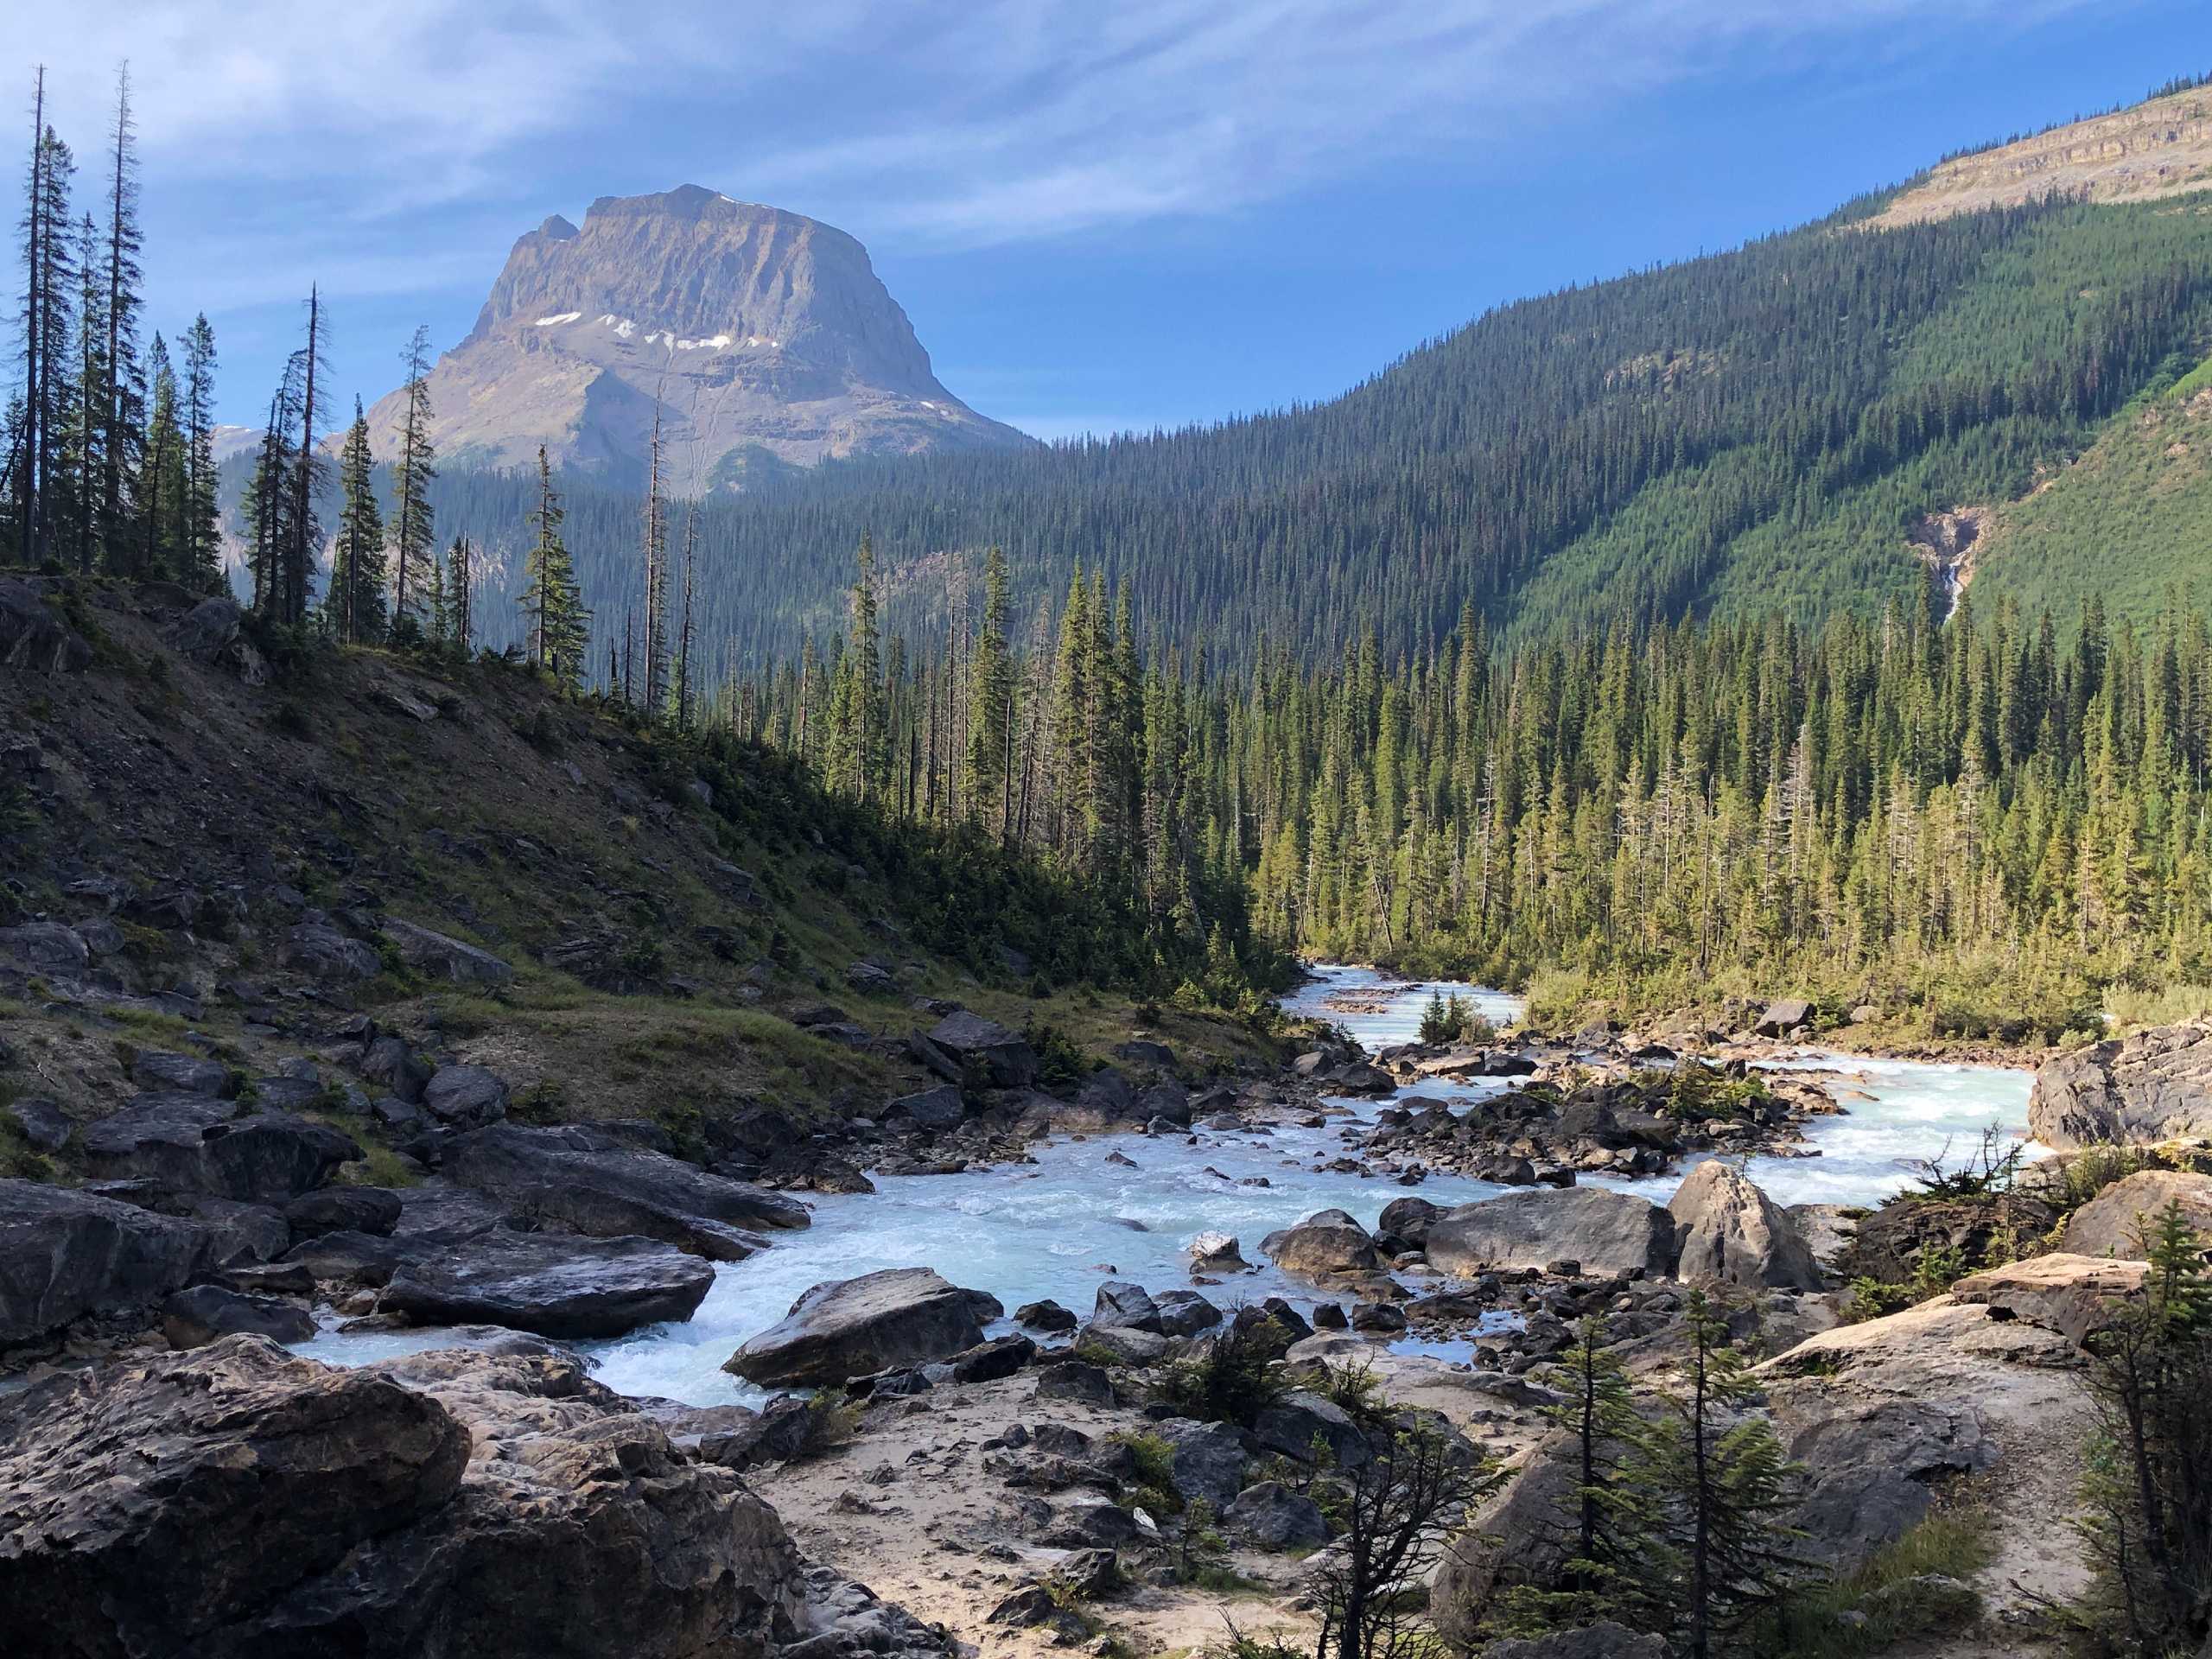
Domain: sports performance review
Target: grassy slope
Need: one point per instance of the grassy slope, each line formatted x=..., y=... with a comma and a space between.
x=2130, y=520
x=511, y=820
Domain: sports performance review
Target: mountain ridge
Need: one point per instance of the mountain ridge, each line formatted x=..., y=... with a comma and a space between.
x=757, y=339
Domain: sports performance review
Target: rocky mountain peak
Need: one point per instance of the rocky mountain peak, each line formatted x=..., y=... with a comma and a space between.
x=762, y=337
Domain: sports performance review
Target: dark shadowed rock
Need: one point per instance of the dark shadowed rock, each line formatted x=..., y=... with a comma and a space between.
x=555, y=1285
x=441, y=957
x=328, y=956
x=1604, y=1640
x=1294, y=1423
x=935, y=1109
x=1076, y=1380
x=854, y=1327
x=989, y=1361
x=465, y=1096
x=1124, y=1305
x=1185, y=1313
x=1274, y=1517
x=373, y=1210
x=1408, y=1219
x=191, y=1143
x=193, y=1317
x=982, y=1048
x=43, y=948
x=191, y=1074
x=42, y=1121
x=146, y=1505
x=65, y=1255
x=1210, y=1460
x=2154, y=1085
x=589, y=1181
x=1047, y=1316
x=1607, y=1232
x=33, y=637
x=239, y=1234
x=1728, y=1232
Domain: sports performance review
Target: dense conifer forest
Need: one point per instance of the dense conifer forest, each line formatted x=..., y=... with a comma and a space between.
x=1585, y=647
x=1756, y=429
x=1981, y=826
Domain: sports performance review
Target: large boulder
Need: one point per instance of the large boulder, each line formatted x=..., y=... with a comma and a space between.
x=1783, y=1016
x=1604, y=1640
x=856, y=1327
x=555, y=1285
x=33, y=637
x=2119, y=1220
x=1295, y=1424
x=2154, y=1085
x=1728, y=1232
x=328, y=956
x=195, y=1318
x=441, y=957
x=233, y=1502
x=149, y=1506
x=373, y=1210
x=1882, y=1411
x=585, y=1180
x=43, y=949
x=65, y=1255
x=1121, y=1305
x=465, y=1096
x=1889, y=1245
x=1326, y=1241
x=1605, y=1231
x=193, y=1143
x=982, y=1048
x=2073, y=1295
x=1275, y=1517
x=160, y=1072
x=1209, y=1460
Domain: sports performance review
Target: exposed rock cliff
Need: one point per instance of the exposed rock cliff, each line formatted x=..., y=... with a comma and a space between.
x=765, y=337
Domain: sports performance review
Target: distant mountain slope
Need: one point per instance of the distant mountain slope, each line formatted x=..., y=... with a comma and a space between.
x=2130, y=522
x=1777, y=427
x=2160, y=148
x=762, y=339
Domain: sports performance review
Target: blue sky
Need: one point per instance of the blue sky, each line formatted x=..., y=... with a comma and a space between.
x=1098, y=217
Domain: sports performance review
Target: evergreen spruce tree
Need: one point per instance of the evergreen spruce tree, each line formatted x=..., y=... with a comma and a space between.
x=123, y=389
x=460, y=630
x=162, y=487
x=412, y=527
x=556, y=627
x=355, y=601
x=1727, y=1483
x=990, y=704
x=202, y=515
x=864, y=687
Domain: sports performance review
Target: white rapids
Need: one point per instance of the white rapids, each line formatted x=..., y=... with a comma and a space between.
x=1058, y=1227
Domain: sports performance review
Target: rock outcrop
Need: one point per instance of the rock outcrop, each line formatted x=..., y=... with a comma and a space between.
x=186, y=1142
x=2154, y=1085
x=2121, y=1220
x=855, y=1327
x=553, y=1284
x=1603, y=1230
x=1728, y=1232
x=65, y=1255
x=760, y=339
x=584, y=1178
x=234, y=1501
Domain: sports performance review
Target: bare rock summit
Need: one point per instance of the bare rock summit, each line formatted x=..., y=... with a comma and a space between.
x=766, y=338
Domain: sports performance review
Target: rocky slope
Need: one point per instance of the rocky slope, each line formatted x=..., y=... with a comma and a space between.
x=2162, y=146
x=758, y=336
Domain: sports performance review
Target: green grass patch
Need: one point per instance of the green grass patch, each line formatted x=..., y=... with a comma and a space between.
x=1888, y=1594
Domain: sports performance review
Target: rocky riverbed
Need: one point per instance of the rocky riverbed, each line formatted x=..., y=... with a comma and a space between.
x=930, y=1402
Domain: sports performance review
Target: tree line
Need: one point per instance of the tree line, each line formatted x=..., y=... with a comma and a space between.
x=106, y=453
x=1956, y=816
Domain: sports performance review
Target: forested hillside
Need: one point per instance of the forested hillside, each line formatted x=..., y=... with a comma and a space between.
x=1976, y=829
x=1756, y=428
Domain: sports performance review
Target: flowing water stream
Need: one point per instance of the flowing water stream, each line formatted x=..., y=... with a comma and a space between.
x=1057, y=1227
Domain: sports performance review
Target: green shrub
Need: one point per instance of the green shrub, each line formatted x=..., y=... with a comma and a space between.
x=1231, y=1379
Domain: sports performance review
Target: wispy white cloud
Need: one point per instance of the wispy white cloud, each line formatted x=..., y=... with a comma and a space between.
x=946, y=124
